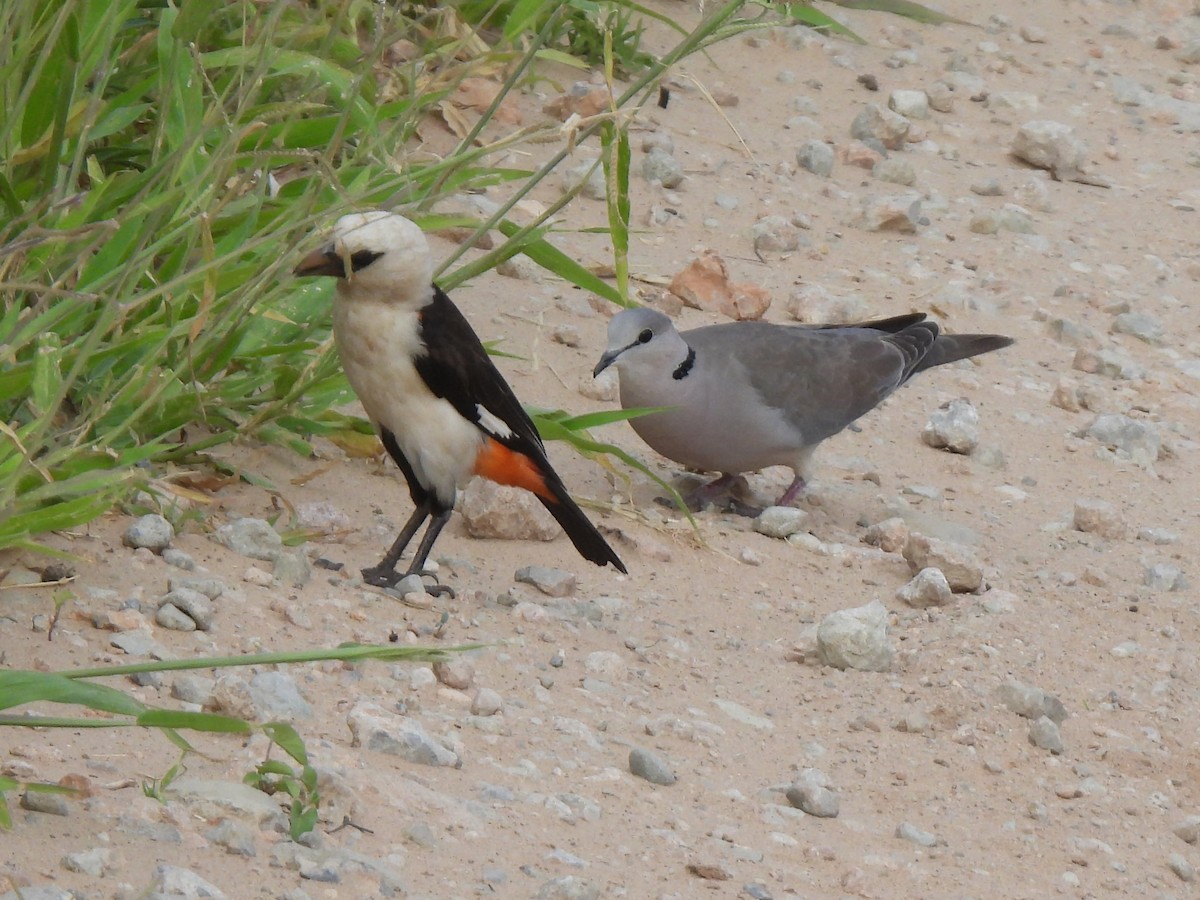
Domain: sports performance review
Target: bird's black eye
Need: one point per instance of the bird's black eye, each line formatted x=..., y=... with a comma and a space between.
x=363, y=258
x=644, y=337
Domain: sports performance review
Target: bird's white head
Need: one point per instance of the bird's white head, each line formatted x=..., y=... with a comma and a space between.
x=642, y=339
x=375, y=254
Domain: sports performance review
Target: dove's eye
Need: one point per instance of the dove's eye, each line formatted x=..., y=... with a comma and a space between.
x=644, y=337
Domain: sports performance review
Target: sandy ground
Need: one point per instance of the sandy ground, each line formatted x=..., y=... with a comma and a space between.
x=693, y=656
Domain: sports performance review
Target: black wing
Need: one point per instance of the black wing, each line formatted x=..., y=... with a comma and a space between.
x=457, y=368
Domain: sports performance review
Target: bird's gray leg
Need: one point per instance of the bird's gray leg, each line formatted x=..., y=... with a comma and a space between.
x=719, y=492
x=384, y=574
x=418, y=563
x=798, y=484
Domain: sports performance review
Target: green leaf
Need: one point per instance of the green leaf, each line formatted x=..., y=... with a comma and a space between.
x=554, y=260
x=288, y=739
x=20, y=686
x=906, y=8
x=193, y=721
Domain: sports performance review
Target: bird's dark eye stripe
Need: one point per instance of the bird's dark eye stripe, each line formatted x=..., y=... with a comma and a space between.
x=645, y=336
x=362, y=259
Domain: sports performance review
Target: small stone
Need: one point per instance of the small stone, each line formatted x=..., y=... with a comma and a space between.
x=195, y=605
x=927, y=588
x=882, y=125
x=781, y=521
x=774, y=234
x=909, y=832
x=173, y=618
x=890, y=535
x=988, y=187
x=1031, y=702
x=704, y=283
x=895, y=170
x=192, y=688
x=1129, y=438
x=856, y=639
x=94, y=862
x=1142, y=326
x=957, y=562
x=236, y=837
x=494, y=511
x=1164, y=577
x=551, y=582
x=661, y=167
x=179, y=559
x=1159, y=536
x=954, y=426
x=650, y=767
x=910, y=104
x=1108, y=363
x=152, y=532
x=1051, y=145
x=373, y=728
x=292, y=567
x=815, y=156
x=1188, y=830
x=813, y=303
x=175, y=882
x=899, y=214
x=486, y=702
x=814, y=799
x=457, y=672
x=43, y=802
x=568, y=887
x=253, y=538
x=1182, y=868
x=1100, y=517
x=567, y=335
x=1043, y=733
x=588, y=178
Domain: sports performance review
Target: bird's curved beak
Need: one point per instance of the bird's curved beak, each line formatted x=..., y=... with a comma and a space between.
x=609, y=357
x=324, y=261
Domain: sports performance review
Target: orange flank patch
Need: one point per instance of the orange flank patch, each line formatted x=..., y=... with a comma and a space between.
x=503, y=466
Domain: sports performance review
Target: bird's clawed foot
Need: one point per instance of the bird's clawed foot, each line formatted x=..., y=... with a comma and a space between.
x=382, y=576
x=729, y=493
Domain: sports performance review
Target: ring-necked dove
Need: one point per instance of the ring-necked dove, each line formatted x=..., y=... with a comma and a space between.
x=441, y=408
x=742, y=396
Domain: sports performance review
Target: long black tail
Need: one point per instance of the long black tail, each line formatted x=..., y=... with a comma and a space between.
x=579, y=528
x=949, y=348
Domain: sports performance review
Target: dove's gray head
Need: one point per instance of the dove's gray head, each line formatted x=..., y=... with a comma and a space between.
x=376, y=254
x=642, y=340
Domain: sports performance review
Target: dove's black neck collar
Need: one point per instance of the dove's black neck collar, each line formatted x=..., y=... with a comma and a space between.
x=684, y=368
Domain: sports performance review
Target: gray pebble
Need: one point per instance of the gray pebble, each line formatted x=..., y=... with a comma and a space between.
x=551, y=582
x=1130, y=438
x=814, y=799
x=177, y=558
x=212, y=588
x=927, y=588
x=152, y=532
x=910, y=104
x=1044, y=733
x=1142, y=326
x=253, y=538
x=856, y=639
x=172, y=618
x=376, y=729
x=568, y=887
x=195, y=605
x=236, y=837
x=895, y=170
x=661, y=167
x=649, y=766
x=1181, y=867
x=816, y=157
x=953, y=426
x=176, y=882
x=781, y=521
x=1165, y=577
x=94, y=862
x=882, y=125
x=192, y=688
x=291, y=566
x=909, y=832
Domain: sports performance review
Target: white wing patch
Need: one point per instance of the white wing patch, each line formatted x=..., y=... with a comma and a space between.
x=491, y=423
